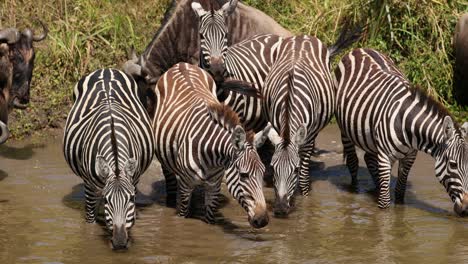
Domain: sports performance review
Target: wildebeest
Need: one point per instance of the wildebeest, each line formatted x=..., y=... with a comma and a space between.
x=176, y=39
x=22, y=55
x=16, y=66
x=460, y=75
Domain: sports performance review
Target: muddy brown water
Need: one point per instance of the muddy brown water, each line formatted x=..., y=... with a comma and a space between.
x=42, y=219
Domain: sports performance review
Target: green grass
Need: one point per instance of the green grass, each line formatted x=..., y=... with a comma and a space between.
x=87, y=34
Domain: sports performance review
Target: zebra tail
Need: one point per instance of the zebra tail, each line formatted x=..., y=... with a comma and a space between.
x=240, y=87
x=349, y=34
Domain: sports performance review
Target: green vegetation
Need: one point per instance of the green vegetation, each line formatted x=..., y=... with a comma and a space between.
x=86, y=35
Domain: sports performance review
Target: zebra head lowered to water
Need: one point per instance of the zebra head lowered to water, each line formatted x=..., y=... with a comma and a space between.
x=379, y=111
x=199, y=140
x=108, y=142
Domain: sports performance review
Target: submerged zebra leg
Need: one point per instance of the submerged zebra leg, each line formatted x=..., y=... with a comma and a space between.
x=171, y=187
x=183, y=199
x=212, y=191
x=91, y=204
x=384, y=170
x=404, y=167
x=304, y=179
x=371, y=162
x=352, y=162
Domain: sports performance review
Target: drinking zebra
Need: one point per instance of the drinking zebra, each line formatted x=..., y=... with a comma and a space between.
x=108, y=143
x=379, y=111
x=299, y=102
x=198, y=140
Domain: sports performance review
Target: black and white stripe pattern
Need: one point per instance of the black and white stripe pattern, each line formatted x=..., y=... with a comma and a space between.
x=299, y=102
x=378, y=111
x=108, y=142
x=198, y=140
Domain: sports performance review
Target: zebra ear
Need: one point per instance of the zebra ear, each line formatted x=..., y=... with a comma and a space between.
x=229, y=7
x=262, y=136
x=198, y=9
x=464, y=129
x=130, y=167
x=300, y=135
x=238, y=138
x=273, y=135
x=449, y=127
x=102, y=168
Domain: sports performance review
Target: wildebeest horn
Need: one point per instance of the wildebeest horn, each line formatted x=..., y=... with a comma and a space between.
x=132, y=68
x=5, y=132
x=10, y=35
x=18, y=105
x=44, y=33
x=229, y=8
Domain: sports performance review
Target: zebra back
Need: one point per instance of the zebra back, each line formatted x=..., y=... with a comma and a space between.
x=107, y=108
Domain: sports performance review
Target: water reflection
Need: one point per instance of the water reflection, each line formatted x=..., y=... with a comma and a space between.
x=42, y=219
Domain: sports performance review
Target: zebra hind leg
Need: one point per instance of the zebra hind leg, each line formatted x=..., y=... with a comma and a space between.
x=212, y=191
x=183, y=199
x=352, y=162
x=171, y=187
x=91, y=204
x=371, y=162
x=404, y=167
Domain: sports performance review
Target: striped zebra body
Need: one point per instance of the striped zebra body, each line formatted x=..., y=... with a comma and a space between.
x=378, y=111
x=109, y=144
x=198, y=140
x=299, y=101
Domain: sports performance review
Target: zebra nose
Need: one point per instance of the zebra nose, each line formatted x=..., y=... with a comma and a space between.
x=260, y=221
x=462, y=208
x=282, y=207
x=119, y=238
x=217, y=68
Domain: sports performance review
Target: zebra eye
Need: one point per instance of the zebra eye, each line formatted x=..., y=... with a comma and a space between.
x=244, y=176
x=452, y=164
x=296, y=170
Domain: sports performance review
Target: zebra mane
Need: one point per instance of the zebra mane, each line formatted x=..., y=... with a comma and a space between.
x=418, y=93
x=114, y=146
x=226, y=117
x=285, y=113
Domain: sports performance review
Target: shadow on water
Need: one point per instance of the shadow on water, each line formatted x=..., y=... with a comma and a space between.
x=19, y=153
x=339, y=176
x=3, y=175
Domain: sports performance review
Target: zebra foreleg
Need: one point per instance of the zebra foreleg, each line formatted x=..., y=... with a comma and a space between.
x=352, y=162
x=371, y=162
x=171, y=187
x=384, y=169
x=212, y=191
x=92, y=200
x=304, y=178
x=404, y=167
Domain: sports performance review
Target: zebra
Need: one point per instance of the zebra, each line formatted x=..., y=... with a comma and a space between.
x=249, y=60
x=381, y=112
x=299, y=101
x=198, y=140
x=108, y=142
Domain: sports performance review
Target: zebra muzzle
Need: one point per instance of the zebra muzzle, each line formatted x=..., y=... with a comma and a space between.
x=119, y=237
x=462, y=208
x=282, y=207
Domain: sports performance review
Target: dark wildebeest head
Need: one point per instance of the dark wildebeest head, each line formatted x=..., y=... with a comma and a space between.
x=22, y=57
x=213, y=31
x=6, y=75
